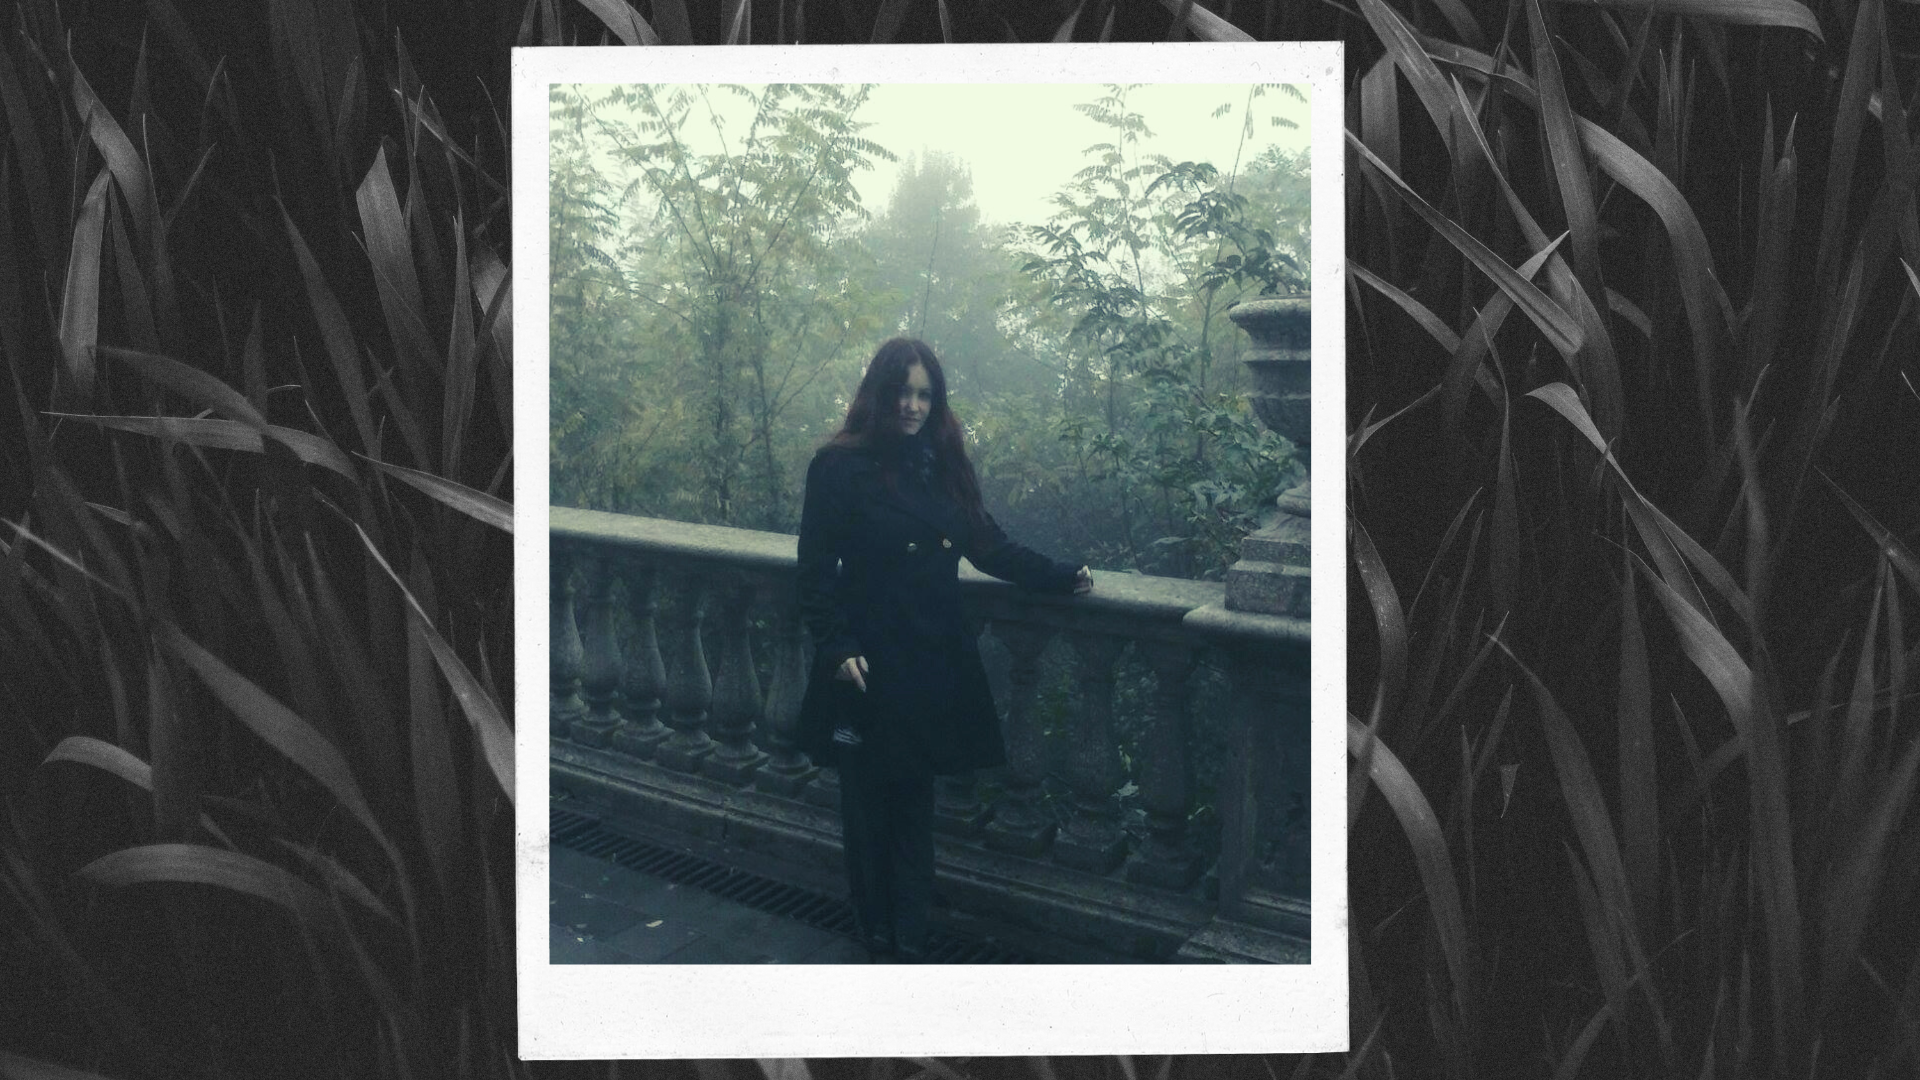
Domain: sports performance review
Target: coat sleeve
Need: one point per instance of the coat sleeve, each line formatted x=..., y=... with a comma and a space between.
x=824, y=517
x=992, y=553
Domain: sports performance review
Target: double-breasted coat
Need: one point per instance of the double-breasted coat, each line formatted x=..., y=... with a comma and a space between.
x=879, y=578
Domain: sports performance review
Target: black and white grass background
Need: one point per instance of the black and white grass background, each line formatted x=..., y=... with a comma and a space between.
x=1629, y=393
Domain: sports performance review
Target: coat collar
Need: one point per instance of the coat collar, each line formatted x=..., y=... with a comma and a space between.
x=936, y=511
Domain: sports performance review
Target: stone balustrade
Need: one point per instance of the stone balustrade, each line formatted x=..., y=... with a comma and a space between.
x=661, y=632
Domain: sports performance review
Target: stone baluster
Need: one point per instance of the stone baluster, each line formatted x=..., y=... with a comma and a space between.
x=957, y=808
x=736, y=692
x=1021, y=822
x=644, y=681
x=1266, y=844
x=1166, y=773
x=1093, y=839
x=563, y=642
x=787, y=770
x=600, y=672
x=689, y=690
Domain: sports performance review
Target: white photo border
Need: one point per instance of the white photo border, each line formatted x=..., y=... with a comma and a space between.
x=587, y=1011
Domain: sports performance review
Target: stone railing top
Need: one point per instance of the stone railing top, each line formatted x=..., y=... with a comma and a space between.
x=1130, y=605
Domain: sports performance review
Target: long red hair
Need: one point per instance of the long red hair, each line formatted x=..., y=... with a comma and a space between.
x=870, y=421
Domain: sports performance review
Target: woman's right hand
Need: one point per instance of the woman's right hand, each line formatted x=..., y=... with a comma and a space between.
x=854, y=670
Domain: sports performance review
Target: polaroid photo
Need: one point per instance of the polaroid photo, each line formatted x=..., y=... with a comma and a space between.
x=942, y=612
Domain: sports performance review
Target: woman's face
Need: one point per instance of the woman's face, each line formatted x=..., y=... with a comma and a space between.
x=916, y=400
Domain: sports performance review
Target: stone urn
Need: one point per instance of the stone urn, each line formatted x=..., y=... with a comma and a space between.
x=1271, y=577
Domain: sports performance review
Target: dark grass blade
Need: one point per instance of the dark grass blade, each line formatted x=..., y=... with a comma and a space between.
x=1853, y=886
x=1677, y=554
x=1420, y=313
x=1389, y=622
x=1593, y=826
x=278, y=726
x=1787, y=13
x=1849, y=118
x=86, y=750
x=1774, y=235
x=80, y=299
x=1555, y=324
x=1065, y=33
x=739, y=22
x=1468, y=362
x=338, y=338
x=1639, y=777
x=1417, y=67
x=197, y=386
x=1748, y=709
x=16, y=1067
x=489, y=725
x=201, y=865
x=1204, y=25
x=226, y=435
x=888, y=19
x=462, y=360
x=436, y=791
x=1422, y=828
x=1503, y=533
x=478, y=505
x=626, y=23
x=390, y=251
x=30, y=157
x=1709, y=313
x=1898, y=554
x=1602, y=944
x=1565, y=155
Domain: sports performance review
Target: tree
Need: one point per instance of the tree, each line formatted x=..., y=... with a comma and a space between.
x=742, y=264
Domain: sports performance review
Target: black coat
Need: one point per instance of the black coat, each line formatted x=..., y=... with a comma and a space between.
x=879, y=577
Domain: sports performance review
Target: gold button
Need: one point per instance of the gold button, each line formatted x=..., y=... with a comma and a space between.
x=911, y=546
x=945, y=543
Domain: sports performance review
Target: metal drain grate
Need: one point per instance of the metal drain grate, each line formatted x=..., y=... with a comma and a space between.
x=584, y=834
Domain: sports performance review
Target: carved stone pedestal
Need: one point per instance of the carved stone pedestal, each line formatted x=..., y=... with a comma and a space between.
x=1272, y=577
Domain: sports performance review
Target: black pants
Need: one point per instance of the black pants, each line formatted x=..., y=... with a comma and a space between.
x=886, y=821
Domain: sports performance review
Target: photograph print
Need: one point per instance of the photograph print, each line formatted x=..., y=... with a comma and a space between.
x=929, y=521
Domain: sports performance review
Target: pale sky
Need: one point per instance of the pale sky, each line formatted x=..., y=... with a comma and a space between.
x=1025, y=141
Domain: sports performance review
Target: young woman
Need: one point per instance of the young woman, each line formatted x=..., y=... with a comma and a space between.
x=897, y=694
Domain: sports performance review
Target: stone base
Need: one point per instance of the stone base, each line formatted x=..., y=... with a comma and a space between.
x=1095, y=851
x=589, y=732
x=962, y=820
x=732, y=769
x=684, y=754
x=777, y=781
x=638, y=741
x=1015, y=838
x=1170, y=870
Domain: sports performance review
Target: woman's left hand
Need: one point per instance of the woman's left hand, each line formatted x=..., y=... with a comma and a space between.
x=1083, y=582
